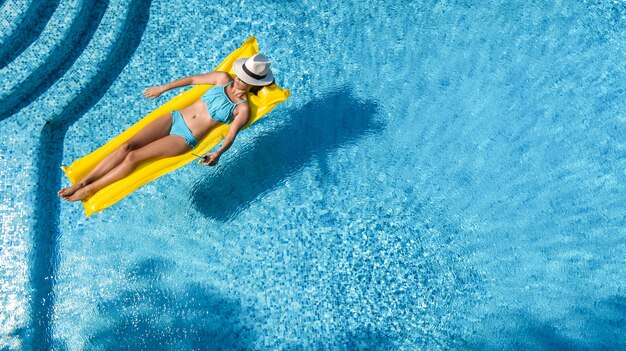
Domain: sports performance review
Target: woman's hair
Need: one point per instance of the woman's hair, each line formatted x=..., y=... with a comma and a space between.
x=255, y=89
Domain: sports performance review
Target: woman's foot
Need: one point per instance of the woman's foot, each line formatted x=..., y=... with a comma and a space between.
x=70, y=190
x=81, y=194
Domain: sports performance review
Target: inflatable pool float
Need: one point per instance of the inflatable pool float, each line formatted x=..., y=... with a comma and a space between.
x=260, y=104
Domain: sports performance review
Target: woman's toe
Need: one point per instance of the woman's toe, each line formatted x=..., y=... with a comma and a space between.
x=74, y=197
x=80, y=194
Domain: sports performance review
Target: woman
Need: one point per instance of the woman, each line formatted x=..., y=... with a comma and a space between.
x=178, y=132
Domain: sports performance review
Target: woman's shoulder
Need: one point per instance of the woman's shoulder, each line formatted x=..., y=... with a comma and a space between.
x=212, y=78
x=223, y=78
x=242, y=108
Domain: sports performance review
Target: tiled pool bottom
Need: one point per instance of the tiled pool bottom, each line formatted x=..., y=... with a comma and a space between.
x=286, y=258
x=16, y=221
x=304, y=278
x=481, y=211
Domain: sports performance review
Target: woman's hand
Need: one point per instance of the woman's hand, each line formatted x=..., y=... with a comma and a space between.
x=153, y=92
x=210, y=159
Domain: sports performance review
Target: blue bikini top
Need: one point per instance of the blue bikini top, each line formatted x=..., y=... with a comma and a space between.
x=219, y=105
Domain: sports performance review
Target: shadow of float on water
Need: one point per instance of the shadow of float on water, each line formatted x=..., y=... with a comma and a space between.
x=310, y=132
x=152, y=316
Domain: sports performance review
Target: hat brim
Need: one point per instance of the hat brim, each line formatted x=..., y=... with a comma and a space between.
x=239, y=72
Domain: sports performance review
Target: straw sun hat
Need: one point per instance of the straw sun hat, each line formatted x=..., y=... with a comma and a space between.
x=254, y=70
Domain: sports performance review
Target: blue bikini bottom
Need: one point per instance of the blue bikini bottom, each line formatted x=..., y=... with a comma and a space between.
x=179, y=127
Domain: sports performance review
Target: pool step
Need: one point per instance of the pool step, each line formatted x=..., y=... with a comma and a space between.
x=34, y=80
x=25, y=29
x=49, y=105
x=36, y=54
x=28, y=131
x=12, y=12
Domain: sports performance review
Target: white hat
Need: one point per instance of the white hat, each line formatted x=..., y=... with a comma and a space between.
x=254, y=70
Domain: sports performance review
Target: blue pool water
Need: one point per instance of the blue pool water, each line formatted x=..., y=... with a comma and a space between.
x=447, y=175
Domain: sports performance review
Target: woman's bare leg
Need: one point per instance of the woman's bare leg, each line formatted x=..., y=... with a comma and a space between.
x=153, y=131
x=171, y=145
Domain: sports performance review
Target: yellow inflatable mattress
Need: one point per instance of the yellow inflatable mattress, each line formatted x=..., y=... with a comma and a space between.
x=260, y=104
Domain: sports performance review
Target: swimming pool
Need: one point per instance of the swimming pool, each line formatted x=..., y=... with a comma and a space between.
x=445, y=175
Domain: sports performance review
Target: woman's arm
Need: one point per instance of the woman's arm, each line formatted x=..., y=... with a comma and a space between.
x=238, y=122
x=155, y=92
x=183, y=82
x=213, y=78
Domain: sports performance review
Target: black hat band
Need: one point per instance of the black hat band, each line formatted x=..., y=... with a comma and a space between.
x=255, y=76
